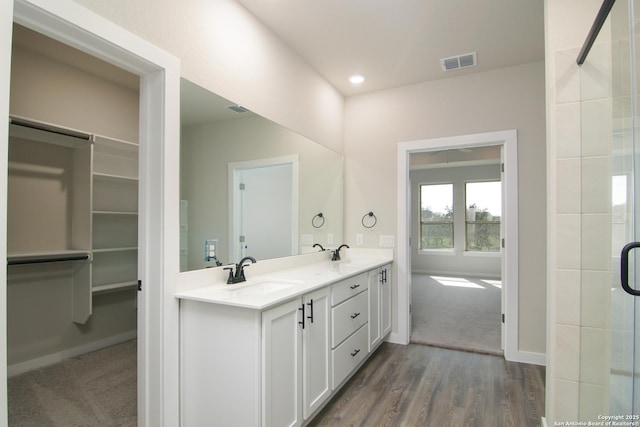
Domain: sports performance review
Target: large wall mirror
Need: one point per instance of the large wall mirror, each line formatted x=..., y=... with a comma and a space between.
x=250, y=187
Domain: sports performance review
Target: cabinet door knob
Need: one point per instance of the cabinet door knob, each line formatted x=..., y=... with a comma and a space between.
x=353, y=354
x=354, y=315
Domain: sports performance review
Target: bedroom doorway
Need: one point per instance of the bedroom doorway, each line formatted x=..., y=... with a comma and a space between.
x=456, y=224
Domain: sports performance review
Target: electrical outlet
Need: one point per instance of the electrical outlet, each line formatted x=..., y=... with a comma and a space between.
x=359, y=239
x=387, y=241
x=329, y=238
x=210, y=246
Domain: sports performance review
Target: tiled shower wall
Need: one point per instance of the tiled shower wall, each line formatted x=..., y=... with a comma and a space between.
x=579, y=121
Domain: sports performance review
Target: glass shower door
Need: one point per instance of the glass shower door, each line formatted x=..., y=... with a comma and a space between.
x=624, y=381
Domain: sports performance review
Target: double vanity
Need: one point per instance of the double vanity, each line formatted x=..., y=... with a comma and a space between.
x=273, y=350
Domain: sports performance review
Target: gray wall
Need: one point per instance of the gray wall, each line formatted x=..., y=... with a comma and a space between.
x=455, y=262
x=39, y=297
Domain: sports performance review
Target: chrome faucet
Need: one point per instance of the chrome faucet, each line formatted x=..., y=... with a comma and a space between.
x=336, y=253
x=239, y=274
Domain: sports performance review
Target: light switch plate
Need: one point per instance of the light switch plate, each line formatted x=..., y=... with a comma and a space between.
x=387, y=241
x=329, y=238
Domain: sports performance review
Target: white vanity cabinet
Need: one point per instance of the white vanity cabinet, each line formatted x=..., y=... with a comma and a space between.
x=274, y=360
x=243, y=367
x=379, y=304
x=296, y=363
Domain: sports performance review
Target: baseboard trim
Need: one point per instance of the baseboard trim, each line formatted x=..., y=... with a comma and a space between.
x=457, y=274
x=50, y=359
x=396, y=338
x=544, y=422
x=529, y=357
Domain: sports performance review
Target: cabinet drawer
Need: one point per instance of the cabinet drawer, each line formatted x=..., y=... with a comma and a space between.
x=347, y=288
x=348, y=355
x=349, y=316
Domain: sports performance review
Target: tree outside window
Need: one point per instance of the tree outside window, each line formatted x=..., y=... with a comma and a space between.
x=436, y=216
x=483, y=210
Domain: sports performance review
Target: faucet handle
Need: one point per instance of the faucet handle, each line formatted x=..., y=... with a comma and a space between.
x=230, y=279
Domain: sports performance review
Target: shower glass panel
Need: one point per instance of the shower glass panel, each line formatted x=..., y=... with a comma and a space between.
x=610, y=182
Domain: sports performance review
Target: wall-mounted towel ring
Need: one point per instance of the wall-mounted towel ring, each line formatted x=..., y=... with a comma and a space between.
x=371, y=222
x=318, y=220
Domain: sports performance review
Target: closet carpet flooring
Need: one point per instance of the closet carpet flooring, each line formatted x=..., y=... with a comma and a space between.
x=456, y=313
x=95, y=389
x=417, y=385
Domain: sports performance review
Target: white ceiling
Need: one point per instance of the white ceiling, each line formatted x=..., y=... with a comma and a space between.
x=400, y=42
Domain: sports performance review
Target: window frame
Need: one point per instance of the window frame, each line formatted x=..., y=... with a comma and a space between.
x=422, y=223
x=467, y=222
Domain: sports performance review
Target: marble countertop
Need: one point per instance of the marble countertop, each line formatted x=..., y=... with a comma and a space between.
x=266, y=290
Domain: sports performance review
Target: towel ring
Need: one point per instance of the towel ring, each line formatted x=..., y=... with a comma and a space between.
x=317, y=223
x=370, y=215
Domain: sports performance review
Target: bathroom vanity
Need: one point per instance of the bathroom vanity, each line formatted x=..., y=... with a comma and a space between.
x=272, y=351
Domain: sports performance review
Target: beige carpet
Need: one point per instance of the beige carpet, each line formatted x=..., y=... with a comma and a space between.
x=95, y=389
x=456, y=313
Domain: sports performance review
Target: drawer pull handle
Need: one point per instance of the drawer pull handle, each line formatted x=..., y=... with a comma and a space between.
x=355, y=352
x=354, y=286
x=354, y=315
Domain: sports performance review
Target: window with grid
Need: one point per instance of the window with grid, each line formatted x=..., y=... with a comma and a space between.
x=436, y=216
x=483, y=210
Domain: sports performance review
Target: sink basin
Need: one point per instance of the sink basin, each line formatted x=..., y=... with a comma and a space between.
x=261, y=288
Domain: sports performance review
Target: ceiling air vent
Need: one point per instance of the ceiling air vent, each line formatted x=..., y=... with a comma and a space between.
x=459, y=61
x=237, y=108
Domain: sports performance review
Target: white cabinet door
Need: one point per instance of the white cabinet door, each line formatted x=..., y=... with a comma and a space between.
x=315, y=351
x=282, y=365
x=385, y=300
x=374, y=308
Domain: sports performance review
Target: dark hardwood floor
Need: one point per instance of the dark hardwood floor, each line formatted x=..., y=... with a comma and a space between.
x=417, y=385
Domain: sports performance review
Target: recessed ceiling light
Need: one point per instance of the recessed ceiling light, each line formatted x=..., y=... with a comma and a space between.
x=356, y=79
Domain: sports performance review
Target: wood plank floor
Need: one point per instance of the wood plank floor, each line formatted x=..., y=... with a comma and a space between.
x=418, y=385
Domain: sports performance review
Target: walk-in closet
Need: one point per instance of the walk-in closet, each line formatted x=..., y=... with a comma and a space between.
x=72, y=230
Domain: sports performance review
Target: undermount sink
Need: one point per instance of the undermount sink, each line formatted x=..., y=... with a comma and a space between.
x=262, y=287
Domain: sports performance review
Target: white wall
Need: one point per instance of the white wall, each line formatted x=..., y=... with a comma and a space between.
x=509, y=98
x=457, y=261
x=224, y=49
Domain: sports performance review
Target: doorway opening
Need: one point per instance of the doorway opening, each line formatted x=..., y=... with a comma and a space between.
x=507, y=140
x=456, y=218
x=157, y=344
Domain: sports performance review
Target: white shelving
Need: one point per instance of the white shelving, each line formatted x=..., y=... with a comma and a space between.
x=115, y=215
x=94, y=216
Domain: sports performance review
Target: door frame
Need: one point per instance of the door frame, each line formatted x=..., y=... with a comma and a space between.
x=235, y=169
x=158, y=231
x=508, y=139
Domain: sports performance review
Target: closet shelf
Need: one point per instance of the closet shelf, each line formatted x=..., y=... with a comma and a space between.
x=112, y=287
x=121, y=249
x=47, y=256
x=111, y=177
x=36, y=130
x=115, y=213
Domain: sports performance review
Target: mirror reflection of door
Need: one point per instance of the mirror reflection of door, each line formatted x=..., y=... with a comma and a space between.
x=267, y=209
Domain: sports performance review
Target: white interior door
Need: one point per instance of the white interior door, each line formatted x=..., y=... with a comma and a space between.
x=266, y=212
x=263, y=216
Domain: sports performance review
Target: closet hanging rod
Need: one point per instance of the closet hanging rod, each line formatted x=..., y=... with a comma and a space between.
x=603, y=13
x=47, y=127
x=41, y=260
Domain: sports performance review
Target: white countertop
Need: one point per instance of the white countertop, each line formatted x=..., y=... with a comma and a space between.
x=266, y=290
